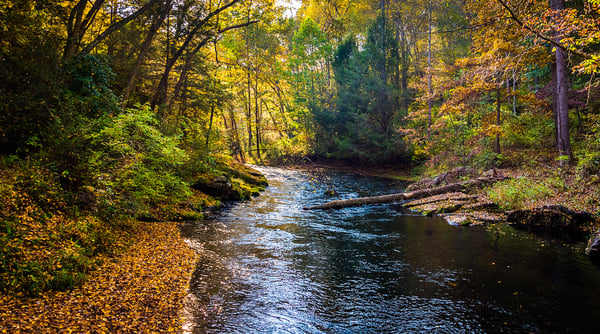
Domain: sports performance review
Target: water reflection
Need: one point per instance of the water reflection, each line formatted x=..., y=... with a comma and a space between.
x=269, y=266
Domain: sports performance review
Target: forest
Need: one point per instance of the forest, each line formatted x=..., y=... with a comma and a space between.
x=111, y=111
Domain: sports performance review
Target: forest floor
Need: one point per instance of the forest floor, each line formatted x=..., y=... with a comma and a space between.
x=139, y=291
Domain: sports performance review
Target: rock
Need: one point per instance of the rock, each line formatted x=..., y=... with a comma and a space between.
x=247, y=174
x=593, y=245
x=457, y=219
x=471, y=218
x=219, y=187
x=550, y=216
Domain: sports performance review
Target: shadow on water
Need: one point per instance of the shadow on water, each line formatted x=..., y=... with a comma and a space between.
x=268, y=266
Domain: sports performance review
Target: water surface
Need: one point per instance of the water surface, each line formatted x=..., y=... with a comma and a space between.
x=267, y=266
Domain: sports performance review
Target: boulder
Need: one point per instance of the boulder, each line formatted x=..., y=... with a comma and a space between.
x=593, y=245
x=218, y=187
x=551, y=216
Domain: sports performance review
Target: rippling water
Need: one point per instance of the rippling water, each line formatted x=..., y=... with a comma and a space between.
x=267, y=266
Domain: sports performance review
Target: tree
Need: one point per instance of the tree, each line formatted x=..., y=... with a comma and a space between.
x=309, y=71
x=562, y=92
x=567, y=31
x=81, y=18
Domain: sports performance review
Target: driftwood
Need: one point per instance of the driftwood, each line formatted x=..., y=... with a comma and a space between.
x=462, y=186
x=454, y=196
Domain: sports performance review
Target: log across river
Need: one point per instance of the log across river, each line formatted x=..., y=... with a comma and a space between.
x=417, y=194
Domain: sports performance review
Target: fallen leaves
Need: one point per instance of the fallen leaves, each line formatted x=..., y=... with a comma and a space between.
x=140, y=291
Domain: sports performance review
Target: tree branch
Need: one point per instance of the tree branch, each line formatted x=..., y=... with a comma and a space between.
x=539, y=34
x=116, y=26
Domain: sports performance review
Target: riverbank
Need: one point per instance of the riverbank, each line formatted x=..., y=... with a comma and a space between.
x=139, y=291
x=548, y=199
x=69, y=267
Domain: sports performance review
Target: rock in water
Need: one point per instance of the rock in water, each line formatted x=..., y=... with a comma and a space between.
x=219, y=187
x=551, y=216
x=593, y=246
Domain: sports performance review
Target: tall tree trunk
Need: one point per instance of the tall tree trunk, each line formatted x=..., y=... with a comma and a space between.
x=249, y=112
x=78, y=24
x=160, y=94
x=116, y=26
x=554, y=100
x=429, y=86
x=498, y=94
x=237, y=145
x=514, y=96
x=144, y=51
x=562, y=96
x=257, y=117
x=210, y=122
x=404, y=63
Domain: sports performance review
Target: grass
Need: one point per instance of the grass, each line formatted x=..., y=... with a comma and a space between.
x=518, y=193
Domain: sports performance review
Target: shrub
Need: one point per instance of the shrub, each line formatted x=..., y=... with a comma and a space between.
x=517, y=193
x=136, y=166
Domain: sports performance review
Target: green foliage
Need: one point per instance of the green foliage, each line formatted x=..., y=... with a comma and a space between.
x=29, y=63
x=528, y=130
x=136, y=166
x=88, y=93
x=488, y=159
x=366, y=117
x=518, y=193
x=588, y=151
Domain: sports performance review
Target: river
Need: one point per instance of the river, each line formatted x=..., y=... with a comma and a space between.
x=268, y=266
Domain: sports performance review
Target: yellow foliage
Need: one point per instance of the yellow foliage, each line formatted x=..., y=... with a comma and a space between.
x=140, y=291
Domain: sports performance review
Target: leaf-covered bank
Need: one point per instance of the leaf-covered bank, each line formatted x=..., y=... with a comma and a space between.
x=139, y=291
x=68, y=266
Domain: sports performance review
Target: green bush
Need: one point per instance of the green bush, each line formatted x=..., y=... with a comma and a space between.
x=517, y=193
x=528, y=130
x=588, y=148
x=136, y=165
x=488, y=159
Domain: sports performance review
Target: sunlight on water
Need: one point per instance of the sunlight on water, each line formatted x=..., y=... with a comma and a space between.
x=269, y=266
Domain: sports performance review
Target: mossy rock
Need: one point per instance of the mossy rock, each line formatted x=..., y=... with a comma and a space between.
x=231, y=182
x=247, y=174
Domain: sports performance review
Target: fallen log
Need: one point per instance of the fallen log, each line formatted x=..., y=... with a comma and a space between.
x=462, y=186
x=454, y=196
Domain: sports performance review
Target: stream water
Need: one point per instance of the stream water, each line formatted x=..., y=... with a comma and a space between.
x=268, y=266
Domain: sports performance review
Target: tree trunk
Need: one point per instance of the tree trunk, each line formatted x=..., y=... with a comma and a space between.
x=160, y=95
x=429, y=87
x=249, y=112
x=497, y=148
x=237, y=145
x=210, y=122
x=116, y=26
x=77, y=26
x=144, y=51
x=463, y=186
x=562, y=96
x=257, y=115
